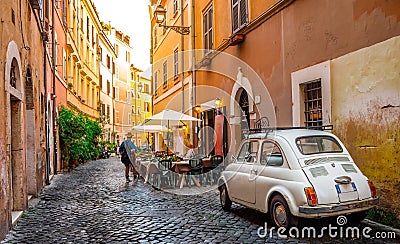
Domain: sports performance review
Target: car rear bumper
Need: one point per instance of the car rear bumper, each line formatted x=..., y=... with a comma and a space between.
x=343, y=208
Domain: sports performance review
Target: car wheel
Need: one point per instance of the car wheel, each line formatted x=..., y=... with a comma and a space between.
x=356, y=218
x=280, y=212
x=226, y=203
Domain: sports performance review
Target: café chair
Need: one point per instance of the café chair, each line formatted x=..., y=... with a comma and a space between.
x=165, y=175
x=195, y=168
x=216, y=167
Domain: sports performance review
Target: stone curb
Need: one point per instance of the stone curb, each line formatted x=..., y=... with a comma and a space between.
x=382, y=226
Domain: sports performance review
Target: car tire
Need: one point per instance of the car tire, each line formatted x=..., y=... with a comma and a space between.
x=226, y=203
x=280, y=213
x=356, y=218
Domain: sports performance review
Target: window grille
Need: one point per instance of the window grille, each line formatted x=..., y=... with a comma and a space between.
x=313, y=103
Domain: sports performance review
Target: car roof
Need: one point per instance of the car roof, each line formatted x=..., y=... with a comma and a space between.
x=291, y=134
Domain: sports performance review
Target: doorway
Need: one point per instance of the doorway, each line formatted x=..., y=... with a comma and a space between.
x=17, y=156
x=244, y=110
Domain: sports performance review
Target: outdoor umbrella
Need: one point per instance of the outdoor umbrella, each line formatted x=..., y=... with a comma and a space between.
x=149, y=129
x=168, y=118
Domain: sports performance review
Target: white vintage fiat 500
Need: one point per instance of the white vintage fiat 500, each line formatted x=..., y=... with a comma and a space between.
x=296, y=173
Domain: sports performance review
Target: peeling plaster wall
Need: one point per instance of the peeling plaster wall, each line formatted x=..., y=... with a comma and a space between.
x=366, y=114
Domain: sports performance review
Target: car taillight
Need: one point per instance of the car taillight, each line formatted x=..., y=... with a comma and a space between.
x=311, y=196
x=372, y=188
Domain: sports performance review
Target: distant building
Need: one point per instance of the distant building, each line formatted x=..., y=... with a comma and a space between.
x=121, y=83
x=141, y=105
x=107, y=57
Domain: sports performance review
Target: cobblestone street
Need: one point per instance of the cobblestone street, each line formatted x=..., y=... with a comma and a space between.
x=93, y=204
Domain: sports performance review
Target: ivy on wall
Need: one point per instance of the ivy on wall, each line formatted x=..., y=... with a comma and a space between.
x=79, y=137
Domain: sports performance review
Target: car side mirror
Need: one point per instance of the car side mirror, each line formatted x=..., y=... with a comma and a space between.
x=234, y=159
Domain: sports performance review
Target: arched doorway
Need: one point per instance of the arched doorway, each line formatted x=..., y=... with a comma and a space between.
x=15, y=132
x=244, y=109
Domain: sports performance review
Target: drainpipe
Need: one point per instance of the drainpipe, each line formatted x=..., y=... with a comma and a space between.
x=53, y=96
x=183, y=61
x=47, y=175
x=193, y=36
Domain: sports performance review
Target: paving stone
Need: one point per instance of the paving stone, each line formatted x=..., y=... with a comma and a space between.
x=93, y=204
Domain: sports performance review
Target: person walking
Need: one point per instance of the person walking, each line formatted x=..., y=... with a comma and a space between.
x=128, y=150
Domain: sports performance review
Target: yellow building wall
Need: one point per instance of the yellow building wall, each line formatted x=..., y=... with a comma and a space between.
x=366, y=113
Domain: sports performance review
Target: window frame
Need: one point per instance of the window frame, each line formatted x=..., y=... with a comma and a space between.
x=176, y=63
x=238, y=4
x=165, y=74
x=276, y=145
x=208, y=29
x=175, y=7
x=330, y=138
x=254, y=158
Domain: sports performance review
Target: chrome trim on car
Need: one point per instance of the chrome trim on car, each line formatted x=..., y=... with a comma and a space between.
x=369, y=203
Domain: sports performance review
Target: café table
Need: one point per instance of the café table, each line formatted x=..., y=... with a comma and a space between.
x=178, y=167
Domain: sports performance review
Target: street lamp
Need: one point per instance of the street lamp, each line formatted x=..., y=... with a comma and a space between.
x=160, y=13
x=218, y=102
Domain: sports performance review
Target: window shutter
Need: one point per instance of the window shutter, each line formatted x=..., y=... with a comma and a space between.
x=243, y=12
x=210, y=28
x=235, y=15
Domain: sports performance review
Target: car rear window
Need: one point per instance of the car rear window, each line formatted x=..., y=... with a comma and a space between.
x=318, y=144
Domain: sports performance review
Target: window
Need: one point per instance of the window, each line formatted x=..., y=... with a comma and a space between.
x=138, y=110
x=208, y=29
x=116, y=116
x=313, y=103
x=248, y=152
x=271, y=155
x=116, y=92
x=319, y=73
x=117, y=50
x=318, y=144
x=175, y=6
x=239, y=14
x=128, y=96
x=108, y=87
x=133, y=109
x=155, y=36
x=146, y=106
x=93, y=41
x=132, y=76
x=165, y=76
x=155, y=82
x=116, y=72
x=176, y=67
x=108, y=61
x=87, y=29
x=100, y=54
x=101, y=82
x=64, y=65
x=146, y=88
x=129, y=118
x=128, y=57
